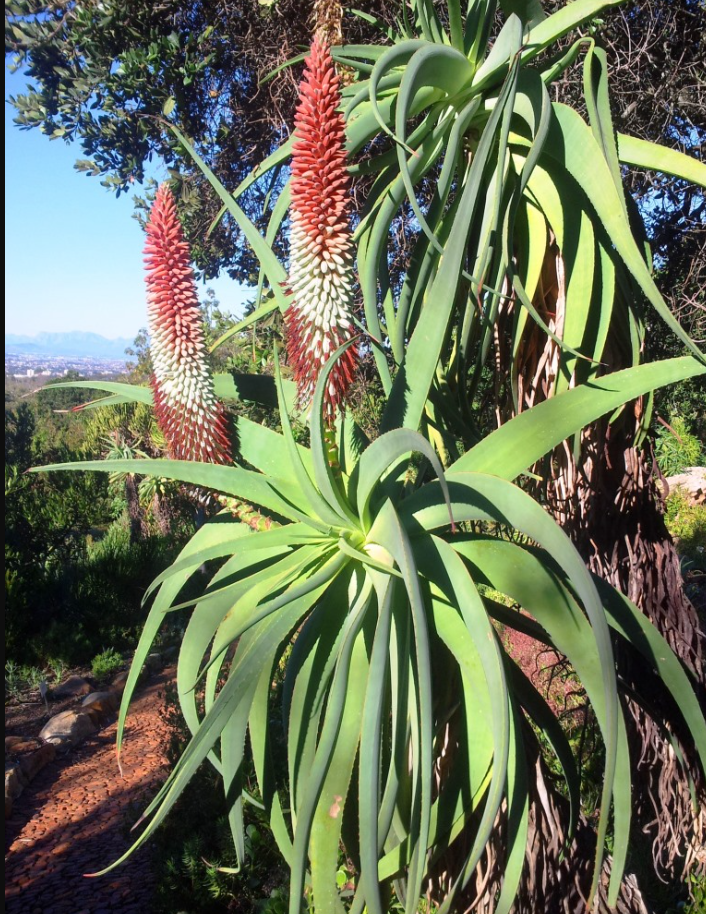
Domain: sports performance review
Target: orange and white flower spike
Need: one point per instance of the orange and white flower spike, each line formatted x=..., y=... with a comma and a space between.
x=185, y=403
x=321, y=251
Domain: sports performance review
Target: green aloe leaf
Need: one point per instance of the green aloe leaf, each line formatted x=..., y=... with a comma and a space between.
x=254, y=487
x=328, y=484
x=232, y=752
x=506, y=45
x=232, y=544
x=283, y=581
x=266, y=308
x=253, y=388
x=347, y=666
x=328, y=819
x=528, y=580
x=371, y=750
x=396, y=540
x=267, y=450
x=264, y=644
x=564, y=20
x=517, y=815
x=529, y=11
x=384, y=453
x=210, y=534
x=393, y=58
x=574, y=147
x=516, y=446
x=320, y=506
x=643, y=154
x=595, y=80
x=130, y=393
x=269, y=263
x=413, y=381
x=636, y=628
x=459, y=587
x=307, y=679
x=476, y=496
x=207, y=615
x=261, y=745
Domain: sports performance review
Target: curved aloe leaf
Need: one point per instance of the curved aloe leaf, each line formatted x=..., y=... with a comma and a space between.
x=128, y=393
x=643, y=154
x=272, y=267
x=516, y=446
x=254, y=487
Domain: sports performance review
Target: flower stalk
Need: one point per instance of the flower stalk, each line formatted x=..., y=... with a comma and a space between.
x=187, y=410
x=321, y=267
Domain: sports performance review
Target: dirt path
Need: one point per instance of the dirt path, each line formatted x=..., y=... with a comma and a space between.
x=73, y=818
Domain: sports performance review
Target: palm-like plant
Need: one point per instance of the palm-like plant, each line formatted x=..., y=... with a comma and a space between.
x=405, y=716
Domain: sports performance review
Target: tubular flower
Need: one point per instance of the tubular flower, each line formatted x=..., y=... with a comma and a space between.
x=185, y=403
x=321, y=252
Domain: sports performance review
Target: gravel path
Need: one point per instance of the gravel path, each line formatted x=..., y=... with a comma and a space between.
x=73, y=819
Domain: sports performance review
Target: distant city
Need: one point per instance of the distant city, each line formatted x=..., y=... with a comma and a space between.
x=52, y=355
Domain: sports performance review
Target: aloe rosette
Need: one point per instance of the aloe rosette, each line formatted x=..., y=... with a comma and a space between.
x=386, y=611
x=185, y=403
x=320, y=280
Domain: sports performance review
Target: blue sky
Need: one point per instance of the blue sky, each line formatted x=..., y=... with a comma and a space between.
x=73, y=252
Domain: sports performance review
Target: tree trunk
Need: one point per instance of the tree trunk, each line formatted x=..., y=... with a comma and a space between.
x=603, y=495
x=555, y=879
x=134, y=511
x=612, y=511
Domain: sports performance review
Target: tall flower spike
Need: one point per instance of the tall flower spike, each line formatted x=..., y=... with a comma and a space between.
x=185, y=403
x=321, y=252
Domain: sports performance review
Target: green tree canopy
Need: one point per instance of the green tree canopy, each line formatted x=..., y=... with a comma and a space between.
x=103, y=76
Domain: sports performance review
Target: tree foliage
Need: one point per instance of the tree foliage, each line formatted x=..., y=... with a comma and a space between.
x=103, y=75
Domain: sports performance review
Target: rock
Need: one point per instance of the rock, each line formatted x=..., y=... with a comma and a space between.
x=72, y=688
x=109, y=699
x=68, y=728
x=11, y=741
x=153, y=663
x=692, y=482
x=8, y=806
x=15, y=781
x=32, y=764
x=100, y=710
x=25, y=747
x=119, y=682
x=170, y=653
x=62, y=848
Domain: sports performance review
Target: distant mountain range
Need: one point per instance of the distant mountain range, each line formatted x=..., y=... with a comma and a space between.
x=75, y=343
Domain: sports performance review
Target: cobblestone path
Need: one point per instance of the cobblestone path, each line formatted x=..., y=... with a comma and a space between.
x=74, y=818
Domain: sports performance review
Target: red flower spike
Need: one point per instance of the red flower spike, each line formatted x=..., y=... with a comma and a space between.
x=185, y=403
x=321, y=252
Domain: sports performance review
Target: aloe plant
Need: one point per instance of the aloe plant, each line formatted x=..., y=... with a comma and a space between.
x=372, y=580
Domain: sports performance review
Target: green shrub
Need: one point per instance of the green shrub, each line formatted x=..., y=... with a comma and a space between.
x=687, y=525
x=72, y=609
x=21, y=679
x=106, y=663
x=676, y=448
x=57, y=667
x=697, y=890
